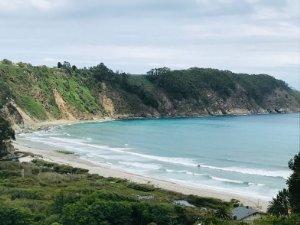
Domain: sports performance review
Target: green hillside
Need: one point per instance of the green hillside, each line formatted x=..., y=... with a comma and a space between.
x=66, y=92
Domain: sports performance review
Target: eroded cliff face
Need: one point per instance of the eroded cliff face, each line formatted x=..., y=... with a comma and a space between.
x=30, y=95
x=64, y=108
x=116, y=104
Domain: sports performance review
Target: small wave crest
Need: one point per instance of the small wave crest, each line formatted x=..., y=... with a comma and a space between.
x=187, y=162
x=209, y=177
x=259, y=172
x=147, y=166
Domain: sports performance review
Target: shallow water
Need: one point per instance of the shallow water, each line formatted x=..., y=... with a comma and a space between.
x=246, y=155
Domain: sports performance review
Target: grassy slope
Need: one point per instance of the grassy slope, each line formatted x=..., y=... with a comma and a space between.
x=32, y=89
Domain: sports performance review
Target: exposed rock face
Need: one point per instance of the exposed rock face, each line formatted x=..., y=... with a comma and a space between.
x=62, y=106
x=29, y=95
x=17, y=116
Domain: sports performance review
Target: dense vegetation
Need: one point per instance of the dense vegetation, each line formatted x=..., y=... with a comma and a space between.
x=287, y=201
x=45, y=193
x=51, y=194
x=66, y=91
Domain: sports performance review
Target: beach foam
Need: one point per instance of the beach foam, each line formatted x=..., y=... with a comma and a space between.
x=85, y=146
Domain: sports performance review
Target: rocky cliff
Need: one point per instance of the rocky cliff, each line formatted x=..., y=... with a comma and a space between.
x=30, y=94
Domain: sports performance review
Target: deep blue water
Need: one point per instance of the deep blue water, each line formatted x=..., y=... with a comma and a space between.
x=247, y=155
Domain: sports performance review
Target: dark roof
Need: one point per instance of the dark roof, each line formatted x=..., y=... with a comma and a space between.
x=243, y=212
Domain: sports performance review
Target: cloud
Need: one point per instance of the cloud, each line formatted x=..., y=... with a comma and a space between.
x=20, y=5
x=254, y=36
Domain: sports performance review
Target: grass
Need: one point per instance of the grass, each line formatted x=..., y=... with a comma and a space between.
x=33, y=107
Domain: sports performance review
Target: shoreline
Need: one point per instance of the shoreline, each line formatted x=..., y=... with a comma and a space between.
x=108, y=171
x=44, y=125
x=41, y=125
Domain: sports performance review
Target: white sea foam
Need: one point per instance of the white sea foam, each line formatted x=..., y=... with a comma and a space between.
x=83, y=146
x=210, y=177
x=253, y=190
x=147, y=166
x=260, y=172
x=227, y=180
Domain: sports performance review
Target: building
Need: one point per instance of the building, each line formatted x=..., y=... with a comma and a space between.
x=246, y=214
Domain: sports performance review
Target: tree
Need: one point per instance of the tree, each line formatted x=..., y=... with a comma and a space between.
x=288, y=199
x=101, y=72
x=281, y=204
x=6, y=134
x=98, y=212
x=6, y=61
x=12, y=216
x=294, y=183
x=159, y=71
x=66, y=65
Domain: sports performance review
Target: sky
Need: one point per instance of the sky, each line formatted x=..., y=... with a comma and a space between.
x=245, y=36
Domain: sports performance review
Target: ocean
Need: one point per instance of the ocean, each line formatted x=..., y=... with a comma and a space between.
x=245, y=155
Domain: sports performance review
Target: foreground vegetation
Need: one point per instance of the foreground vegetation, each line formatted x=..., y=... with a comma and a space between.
x=46, y=193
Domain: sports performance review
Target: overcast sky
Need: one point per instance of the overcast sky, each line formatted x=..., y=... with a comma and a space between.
x=252, y=36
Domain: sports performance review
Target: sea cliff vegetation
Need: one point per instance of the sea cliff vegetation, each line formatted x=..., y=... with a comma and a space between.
x=35, y=93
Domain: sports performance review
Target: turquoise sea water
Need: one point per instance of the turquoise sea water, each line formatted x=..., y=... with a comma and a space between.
x=246, y=155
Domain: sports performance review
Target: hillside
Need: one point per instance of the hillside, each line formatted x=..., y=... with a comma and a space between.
x=36, y=93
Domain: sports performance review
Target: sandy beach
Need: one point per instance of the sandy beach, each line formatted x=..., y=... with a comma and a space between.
x=109, y=171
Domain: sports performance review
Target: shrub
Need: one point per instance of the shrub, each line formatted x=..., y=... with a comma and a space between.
x=23, y=193
x=62, y=169
x=212, y=203
x=63, y=199
x=13, y=216
x=141, y=187
x=100, y=212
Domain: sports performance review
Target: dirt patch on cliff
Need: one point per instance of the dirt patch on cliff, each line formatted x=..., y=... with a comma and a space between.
x=62, y=106
x=107, y=104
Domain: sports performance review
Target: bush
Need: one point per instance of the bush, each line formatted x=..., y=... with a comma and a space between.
x=162, y=214
x=62, y=169
x=212, y=203
x=23, y=193
x=13, y=216
x=100, y=212
x=275, y=220
x=8, y=173
x=63, y=199
x=141, y=187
